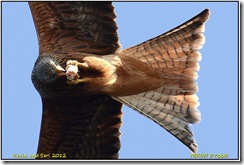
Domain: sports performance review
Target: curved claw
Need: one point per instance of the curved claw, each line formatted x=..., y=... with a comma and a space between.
x=72, y=69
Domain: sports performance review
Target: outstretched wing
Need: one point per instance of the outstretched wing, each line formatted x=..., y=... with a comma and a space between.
x=78, y=127
x=87, y=27
x=176, y=54
x=87, y=128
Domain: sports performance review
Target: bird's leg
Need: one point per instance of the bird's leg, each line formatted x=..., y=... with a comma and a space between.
x=93, y=64
x=76, y=63
x=77, y=81
x=72, y=71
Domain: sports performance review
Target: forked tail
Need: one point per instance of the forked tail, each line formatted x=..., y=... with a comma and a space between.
x=175, y=53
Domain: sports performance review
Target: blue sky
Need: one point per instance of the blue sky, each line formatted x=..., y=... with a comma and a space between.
x=141, y=138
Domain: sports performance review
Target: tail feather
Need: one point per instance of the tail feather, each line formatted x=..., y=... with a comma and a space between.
x=175, y=53
x=169, y=109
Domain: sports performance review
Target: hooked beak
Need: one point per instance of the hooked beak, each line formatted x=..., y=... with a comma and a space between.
x=60, y=70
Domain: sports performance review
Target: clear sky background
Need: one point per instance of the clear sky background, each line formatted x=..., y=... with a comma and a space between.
x=138, y=21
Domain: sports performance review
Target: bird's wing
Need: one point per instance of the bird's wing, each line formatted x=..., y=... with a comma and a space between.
x=176, y=54
x=86, y=127
x=87, y=27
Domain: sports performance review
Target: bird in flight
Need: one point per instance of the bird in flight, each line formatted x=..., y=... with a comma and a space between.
x=84, y=77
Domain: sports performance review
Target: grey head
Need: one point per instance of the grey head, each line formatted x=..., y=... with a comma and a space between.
x=46, y=70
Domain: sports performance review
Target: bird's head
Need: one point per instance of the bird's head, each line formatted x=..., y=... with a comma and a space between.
x=47, y=70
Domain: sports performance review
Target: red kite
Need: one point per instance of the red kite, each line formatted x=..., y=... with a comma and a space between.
x=84, y=77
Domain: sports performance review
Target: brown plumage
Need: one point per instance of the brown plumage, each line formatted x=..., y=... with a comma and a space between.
x=74, y=124
x=83, y=77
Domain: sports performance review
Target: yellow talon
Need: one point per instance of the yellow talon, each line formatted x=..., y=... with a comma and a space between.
x=73, y=62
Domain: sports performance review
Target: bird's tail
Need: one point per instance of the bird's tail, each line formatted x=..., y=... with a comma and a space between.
x=175, y=53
